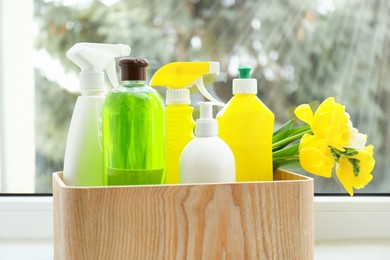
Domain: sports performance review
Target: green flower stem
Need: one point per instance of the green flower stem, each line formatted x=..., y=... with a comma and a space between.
x=290, y=139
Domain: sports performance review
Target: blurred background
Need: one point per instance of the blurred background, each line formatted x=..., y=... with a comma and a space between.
x=301, y=51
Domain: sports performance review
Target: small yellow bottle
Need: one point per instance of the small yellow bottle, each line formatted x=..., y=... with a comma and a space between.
x=178, y=77
x=246, y=125
x=179, y=131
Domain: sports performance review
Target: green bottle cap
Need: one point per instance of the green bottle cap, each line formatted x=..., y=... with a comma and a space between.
x=245, y=72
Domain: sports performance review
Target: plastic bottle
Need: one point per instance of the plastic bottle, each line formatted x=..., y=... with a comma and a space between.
x=134, y=129
x=178, y=77
x=246, y=125
x=207, y=158
x=83, y=162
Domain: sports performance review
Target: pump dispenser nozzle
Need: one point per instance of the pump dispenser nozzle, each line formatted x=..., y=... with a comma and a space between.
x=95, y=58
x=206, y=125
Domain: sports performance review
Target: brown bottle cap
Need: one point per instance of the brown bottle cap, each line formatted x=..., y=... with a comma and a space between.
x=133, y=69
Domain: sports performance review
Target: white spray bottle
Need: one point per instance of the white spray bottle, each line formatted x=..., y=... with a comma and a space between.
x=83, y=163
x=207, y=158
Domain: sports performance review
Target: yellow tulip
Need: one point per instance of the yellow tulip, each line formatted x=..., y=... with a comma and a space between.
x=359, y=179
x=333, y=140
x=329, y=122
x=315, y=156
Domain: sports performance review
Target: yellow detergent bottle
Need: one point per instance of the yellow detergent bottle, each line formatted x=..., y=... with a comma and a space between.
x=178, y=77
x=246, y=125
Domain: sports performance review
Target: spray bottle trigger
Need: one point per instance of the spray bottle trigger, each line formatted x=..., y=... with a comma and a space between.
x=111, y=74
x=200, y=85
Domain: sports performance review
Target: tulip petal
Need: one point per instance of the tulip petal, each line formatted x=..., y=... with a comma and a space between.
x=325, y=105
x=331, y=122
x=315, y=156
x=344, y=172
x=304, y=113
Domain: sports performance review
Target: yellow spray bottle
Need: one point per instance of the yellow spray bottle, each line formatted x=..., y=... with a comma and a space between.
x=178, y=77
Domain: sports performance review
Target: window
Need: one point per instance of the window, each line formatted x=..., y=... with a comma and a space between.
x=301, y=51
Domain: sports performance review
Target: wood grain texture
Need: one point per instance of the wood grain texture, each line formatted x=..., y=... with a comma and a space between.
x=256, y=220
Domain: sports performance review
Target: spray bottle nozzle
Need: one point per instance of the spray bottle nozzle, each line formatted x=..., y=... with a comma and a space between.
x=183, y=75
x=199, y=83
x=95, y=58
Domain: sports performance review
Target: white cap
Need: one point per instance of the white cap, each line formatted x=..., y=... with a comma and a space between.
x=95, y=58
x=178, y=96
x=206, y=125
x=245, y=86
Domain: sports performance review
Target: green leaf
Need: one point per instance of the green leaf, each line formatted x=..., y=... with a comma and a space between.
x=292, y=135
x=284, y=127
x=300, y=129
x=289, y=132
x=282, y=132
x=289, y=151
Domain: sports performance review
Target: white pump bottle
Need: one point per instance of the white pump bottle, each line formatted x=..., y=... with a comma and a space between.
x=207, y=158
x=83, y=162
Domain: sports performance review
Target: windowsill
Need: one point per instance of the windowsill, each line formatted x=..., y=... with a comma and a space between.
x=31, y=249
x=352, y=249
x=351, y=218
x=323, y=250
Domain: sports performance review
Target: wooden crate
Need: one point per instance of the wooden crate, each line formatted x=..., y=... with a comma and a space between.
x=254, y=220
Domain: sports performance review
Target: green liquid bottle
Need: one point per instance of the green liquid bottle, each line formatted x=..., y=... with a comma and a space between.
x=134, y=129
